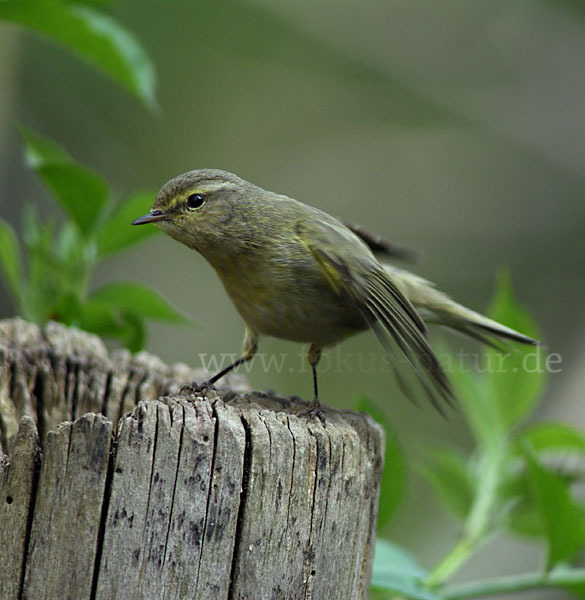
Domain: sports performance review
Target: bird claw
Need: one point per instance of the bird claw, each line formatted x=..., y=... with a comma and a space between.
x=313, y=411
x=194, y=387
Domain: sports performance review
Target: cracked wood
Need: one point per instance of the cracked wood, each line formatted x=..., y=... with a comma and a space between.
x=229, y=495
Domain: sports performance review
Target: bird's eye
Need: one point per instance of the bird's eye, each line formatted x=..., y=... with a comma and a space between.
x=195, y=201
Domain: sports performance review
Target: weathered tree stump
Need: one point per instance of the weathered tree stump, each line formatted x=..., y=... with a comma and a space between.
x=226, y=495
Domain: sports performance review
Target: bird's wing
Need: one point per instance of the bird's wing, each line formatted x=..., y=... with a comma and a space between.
x=379, y=245
x=355, y=274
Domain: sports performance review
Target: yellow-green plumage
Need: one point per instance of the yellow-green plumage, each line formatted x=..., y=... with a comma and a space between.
x=295, y=272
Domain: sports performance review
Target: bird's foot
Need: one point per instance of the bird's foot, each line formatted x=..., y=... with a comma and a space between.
x=313, y=411
x=194, y=387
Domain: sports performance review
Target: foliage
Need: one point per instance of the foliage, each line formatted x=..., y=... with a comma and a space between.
x=91, y=34
x=60, y=260
x=518, y=480
x=49, y=275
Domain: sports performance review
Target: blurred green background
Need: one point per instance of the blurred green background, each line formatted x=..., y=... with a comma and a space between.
x=454, y=128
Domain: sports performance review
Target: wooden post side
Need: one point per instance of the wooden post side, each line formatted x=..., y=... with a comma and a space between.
x=218, y=495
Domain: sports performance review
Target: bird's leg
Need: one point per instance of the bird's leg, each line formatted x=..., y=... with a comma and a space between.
x=314, y=409
x=314, y=356
x=249, y=348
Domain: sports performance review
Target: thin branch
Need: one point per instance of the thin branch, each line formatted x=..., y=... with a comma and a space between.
x=515, y=583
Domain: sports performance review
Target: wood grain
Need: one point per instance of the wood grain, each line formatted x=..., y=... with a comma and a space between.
x=223, y=495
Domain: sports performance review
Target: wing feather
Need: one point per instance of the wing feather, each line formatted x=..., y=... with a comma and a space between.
x=379, y=245
x=356, y=275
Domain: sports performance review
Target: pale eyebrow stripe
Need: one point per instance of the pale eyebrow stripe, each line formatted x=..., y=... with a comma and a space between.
x=214, y=187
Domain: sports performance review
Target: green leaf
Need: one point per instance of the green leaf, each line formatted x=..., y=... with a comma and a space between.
x=99, y=318
x=397, y=570
x=524, y=515
x=448, y=474
x=525, y=520
x=93, y=35
x=108, y=321
x=133, y=333
x=117, y=233
x=394, y=473
x=509, y=384
x=560, y=514
x=67, y=309
x=91, y=2
x=138, y=299
x=10, y=258
x=554, y=437
x=82, y=193
x=517, y=377
x=577, y=589
x=41, y=151
x=45, y=278
x=378, y=594
x=76, y=254
x=474, y=394
x=507, y=310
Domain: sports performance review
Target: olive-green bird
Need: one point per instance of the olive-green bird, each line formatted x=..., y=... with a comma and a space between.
x=297, y=273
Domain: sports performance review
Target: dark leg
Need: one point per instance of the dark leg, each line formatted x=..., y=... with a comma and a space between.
x=225, y=371
x=314, y=409
x=250, y=347
x=315, y=385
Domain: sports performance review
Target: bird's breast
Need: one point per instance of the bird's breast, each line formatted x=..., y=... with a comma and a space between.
x=290, y=299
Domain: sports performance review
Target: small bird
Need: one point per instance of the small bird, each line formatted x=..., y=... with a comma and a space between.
x=297, y=273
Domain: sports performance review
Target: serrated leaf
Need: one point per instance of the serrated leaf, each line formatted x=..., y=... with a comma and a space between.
x=94, y=36
x=517, y=377
x=560, y=514
x=394, y=473
x=10, y=258
x=517, y=492
x=397, y=570
x=447, y=472
x=82, y=193
x=554, y=437
x=138, y=299
x=117, y=233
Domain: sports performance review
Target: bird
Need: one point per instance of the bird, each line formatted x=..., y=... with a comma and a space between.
x=295, y=272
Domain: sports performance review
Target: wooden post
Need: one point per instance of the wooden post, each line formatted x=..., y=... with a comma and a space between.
x=113, y=485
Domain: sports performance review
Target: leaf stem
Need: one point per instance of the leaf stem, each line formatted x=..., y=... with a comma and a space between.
x=515, y=583
x=456, y=557
x=477, y=524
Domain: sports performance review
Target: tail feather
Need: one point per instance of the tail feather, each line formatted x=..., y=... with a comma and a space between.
x=436, y=307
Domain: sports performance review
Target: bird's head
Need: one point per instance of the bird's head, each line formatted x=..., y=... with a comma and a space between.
x=204, y=209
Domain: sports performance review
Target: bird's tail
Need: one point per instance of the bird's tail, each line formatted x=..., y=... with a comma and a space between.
x=436, y=307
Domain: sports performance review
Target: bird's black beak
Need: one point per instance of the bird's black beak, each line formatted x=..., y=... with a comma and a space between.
x=152, y=217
